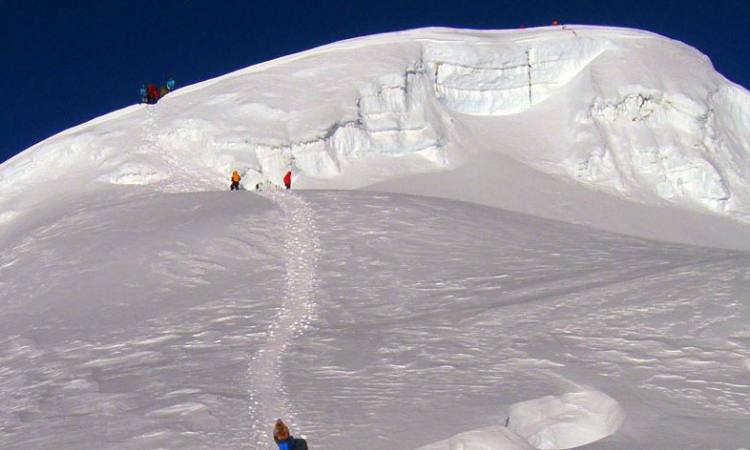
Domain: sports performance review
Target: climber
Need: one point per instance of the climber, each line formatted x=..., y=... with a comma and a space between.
x=152, y=94
x=286, y=441
x=235, y=186
x=170, y=84
x=288, y=179
x=144, y=99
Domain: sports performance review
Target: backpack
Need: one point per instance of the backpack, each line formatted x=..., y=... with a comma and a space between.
x=300, y=444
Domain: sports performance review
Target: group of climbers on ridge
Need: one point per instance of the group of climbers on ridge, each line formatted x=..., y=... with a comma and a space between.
x=151, y=94
x=236, y=178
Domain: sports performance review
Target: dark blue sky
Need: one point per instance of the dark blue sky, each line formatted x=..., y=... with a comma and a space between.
x=65, y=62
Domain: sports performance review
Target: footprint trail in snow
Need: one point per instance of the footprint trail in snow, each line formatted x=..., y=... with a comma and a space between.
x=268, y=397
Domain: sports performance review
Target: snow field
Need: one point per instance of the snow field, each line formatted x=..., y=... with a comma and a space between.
x=443, y=355
x=142, y=320
x=154, y=388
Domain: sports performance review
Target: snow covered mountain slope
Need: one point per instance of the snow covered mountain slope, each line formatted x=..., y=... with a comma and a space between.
x=141, y=320
x=144, y=307
x=631, y=118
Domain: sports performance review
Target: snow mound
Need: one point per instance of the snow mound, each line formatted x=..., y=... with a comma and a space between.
x=490, y=438
x=551, y=422
x=567, y=421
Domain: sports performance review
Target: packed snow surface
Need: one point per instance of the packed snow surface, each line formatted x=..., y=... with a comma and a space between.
x=147, y=320
x=413, y=290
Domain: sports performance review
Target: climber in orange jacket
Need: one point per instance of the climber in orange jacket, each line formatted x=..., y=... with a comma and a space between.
x=235, y=186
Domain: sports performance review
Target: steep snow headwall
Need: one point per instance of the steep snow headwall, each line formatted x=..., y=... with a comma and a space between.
x=506, y=79
x=654, y=140
x=629, y=112
x=406, y=112
x=727, y=139
x=393, y=119
x=679, y=148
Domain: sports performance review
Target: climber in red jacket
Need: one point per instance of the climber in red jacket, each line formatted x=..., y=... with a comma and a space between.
x=152, y=94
